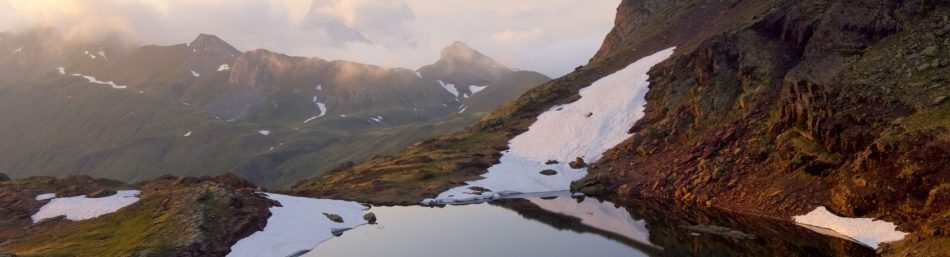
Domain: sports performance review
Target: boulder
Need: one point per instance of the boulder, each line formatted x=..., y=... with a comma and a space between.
x=578, y=163
x=930, y=51
x=338, y=231
x=4, y=177
x=334, y=217
x=549, y=172
x=551, y=162
x=370, y=217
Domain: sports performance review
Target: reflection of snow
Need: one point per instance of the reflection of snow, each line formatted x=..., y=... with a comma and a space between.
x=617, y=100
x=602, y=215
x=297, y=226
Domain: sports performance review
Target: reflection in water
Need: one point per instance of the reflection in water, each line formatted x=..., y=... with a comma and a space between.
x=558, y=225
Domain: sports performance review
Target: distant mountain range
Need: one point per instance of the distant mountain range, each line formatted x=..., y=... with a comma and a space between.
x=203, y=108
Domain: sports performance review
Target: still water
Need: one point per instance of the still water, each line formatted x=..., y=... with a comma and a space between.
x=558, y=225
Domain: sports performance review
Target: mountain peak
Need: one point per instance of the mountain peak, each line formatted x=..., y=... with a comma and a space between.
x=208, y=42
x=461, y=52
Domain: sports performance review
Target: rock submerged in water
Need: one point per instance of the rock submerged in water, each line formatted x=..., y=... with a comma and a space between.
x=548, y=172
x=578, y=163
x=370, y=217
x=334, y=217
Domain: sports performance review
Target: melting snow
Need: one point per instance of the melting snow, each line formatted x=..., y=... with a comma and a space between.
x=93, y=80
x=867, y=231
x=45, y=196
x=195, y=74
x=90, y=55
x=62, y=71
x=566, y=134
x=450, y=88
x=377, y=119
x=298, y=226
x=224, y=67
x=82, y=207
x=264, y=132
x=188, y=134
x=476, y=89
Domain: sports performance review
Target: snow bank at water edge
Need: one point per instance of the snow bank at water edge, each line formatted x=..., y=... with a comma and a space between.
x=82, y=207
x=298, y=226
x=586, y=128
x=866, y=231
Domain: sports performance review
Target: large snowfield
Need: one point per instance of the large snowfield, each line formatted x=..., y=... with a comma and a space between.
x=867, y=231
x=298, y=226
x=82, y=207
x=585, y=128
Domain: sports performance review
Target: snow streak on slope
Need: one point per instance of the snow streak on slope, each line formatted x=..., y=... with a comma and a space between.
x=82, y=207
x=298, y=226
x=93, y=80
x=586, y=128
x=864, y=230
x=476, y=89
x=450, y=88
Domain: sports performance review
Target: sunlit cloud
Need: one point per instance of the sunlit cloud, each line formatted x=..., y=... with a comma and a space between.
x=400, y=33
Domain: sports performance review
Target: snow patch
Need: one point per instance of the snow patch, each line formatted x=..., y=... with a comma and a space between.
x=866, y=231
x=188, y=134
x=563, y=135
x=195, y=74
x=418, y=74
x=462, y=109
x=264, y=132
x=377, y=119
x=61, y=70
x=83, y=208
x=87, y=53
x=224, y=67
x=101, y=53
x=93, y=80
x=298, y=226
x=45, y=196
x=476, y=89
x=450, y=88
x=19, y=50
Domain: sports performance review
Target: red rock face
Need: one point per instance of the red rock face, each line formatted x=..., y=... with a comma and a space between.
x=808, y=103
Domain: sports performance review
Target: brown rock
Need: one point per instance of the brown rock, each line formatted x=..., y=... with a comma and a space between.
x=334, y=217
x=578, y=163
x=101, y=193
x=370, y=217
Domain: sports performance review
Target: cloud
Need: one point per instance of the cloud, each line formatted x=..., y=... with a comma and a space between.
x=515, y=36
x=402, y=33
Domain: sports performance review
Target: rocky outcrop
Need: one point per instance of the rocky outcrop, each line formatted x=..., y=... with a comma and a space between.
x=175, y=216
x=812, y=103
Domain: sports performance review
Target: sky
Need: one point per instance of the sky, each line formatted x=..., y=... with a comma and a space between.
x=549, y=36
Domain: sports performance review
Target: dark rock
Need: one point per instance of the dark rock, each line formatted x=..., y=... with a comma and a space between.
x=549, y=172
x=551, y=162
x=334, y=217
x=370, y=217
x=479, y=190
x=4, y=177
x=589, y=114
x=596, y=189
x=101, y=193
x=578, y=163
